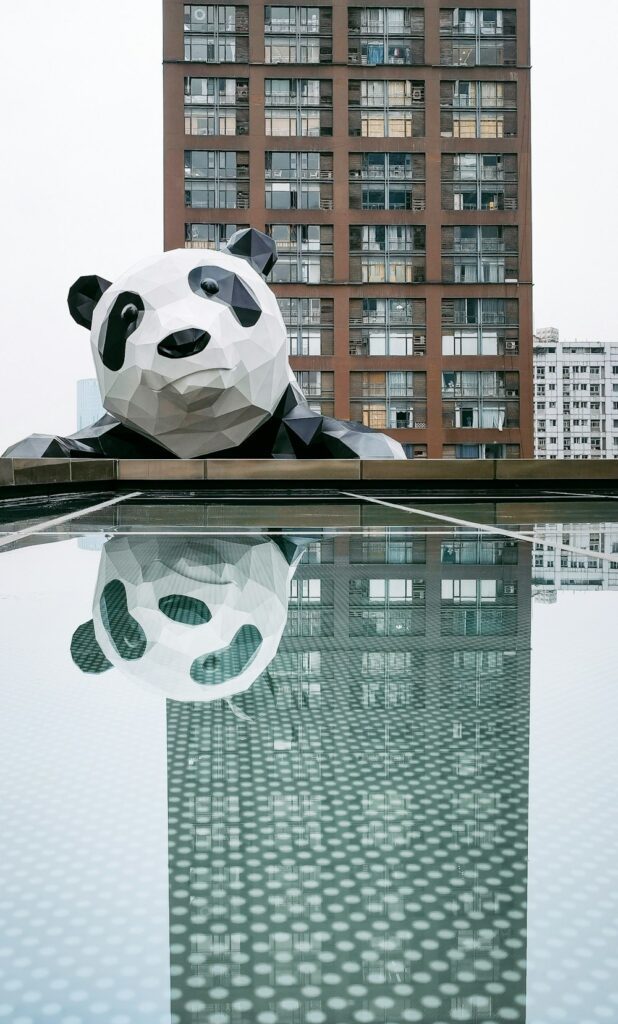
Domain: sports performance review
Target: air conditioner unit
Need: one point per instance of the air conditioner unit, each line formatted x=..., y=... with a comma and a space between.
x=510, y=589
x=511, y=346
x=512, y=394
x=418, y=95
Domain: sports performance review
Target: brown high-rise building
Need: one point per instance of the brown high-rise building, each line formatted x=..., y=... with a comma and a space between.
x=387, y=150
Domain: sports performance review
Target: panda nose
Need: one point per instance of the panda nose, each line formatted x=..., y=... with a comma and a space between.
x=180, y=344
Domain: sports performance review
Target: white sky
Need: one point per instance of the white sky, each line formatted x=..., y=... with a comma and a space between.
x=80, y=128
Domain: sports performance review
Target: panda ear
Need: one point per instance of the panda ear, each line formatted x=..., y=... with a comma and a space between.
x=255, y=247
x=83, y=297
x=86, y=652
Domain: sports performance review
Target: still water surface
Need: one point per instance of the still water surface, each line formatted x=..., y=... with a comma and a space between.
x=310, y=765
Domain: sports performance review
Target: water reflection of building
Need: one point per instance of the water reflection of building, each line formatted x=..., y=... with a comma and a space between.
x=556, y=568
x=356, y=848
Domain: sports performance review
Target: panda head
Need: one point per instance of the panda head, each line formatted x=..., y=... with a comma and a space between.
x=190, y=347
x=193, y=619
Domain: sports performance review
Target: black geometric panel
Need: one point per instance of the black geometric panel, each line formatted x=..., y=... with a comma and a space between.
x=181, y=344
x=83, y=297
x=226, y=287
x=122, y=320
x=254, y=246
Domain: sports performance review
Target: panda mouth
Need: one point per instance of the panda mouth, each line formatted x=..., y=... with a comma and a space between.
x=173, y=385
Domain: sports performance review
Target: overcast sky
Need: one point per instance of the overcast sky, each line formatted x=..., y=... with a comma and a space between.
x=81, y=178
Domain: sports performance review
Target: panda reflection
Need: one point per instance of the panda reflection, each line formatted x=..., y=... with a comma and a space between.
x=194, y=619
x=190, y=352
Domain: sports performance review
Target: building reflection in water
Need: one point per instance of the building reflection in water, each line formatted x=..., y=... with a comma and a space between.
x=352, y=846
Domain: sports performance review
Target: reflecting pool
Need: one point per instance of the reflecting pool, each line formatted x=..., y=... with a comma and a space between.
x=309, y=763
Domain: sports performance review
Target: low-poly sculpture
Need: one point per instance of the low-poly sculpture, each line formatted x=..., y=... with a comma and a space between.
x=190, y=351
x=194, y=619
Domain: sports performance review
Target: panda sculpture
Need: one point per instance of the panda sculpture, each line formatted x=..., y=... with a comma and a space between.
x=190, y=351
x=190, y=618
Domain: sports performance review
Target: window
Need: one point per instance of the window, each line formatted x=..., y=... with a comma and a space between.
x=395, y=399
x=486, y=254
x=309, y=325
x=305, y=253
x=387, y=181
x=480, y=451
x=209, y=236
x=478, y=110
x=216, y=106
x=216, y=179
x=298, y=106
x=216, y=33
x=298, y=35
x=299, y=181
x=479, y=181
x=382, y=109
x=485, y=400
x=318, y=387
x=387, y=607
x=469, y=37
x=393, y=253
x=387, y=327
x=386, y=35
x=484, y=327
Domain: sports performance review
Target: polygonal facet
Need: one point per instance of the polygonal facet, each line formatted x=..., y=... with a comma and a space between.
x=190, y=351
x=193, y=619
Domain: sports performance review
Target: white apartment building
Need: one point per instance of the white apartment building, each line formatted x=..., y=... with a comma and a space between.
x=575, y=398
x=556, y=567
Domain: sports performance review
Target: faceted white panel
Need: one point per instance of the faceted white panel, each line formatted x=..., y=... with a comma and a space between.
x=195, y=619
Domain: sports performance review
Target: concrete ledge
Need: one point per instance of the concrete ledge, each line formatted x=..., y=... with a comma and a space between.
x=7, y=478
x=160, y=469
x=239, y=470
x=427, y=470
x=96, y=470
x=41, y=471
x=18, y=475
x=547, y=470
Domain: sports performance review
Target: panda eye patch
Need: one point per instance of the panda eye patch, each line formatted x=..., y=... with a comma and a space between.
x=122, y=320
x=219, y=666
x=124, y=631
x=187, y=610
x=219, y=285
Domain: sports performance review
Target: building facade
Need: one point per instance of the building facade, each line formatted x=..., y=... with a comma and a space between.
x=561, y=562
x=576, y=398
x=354, y=839
x=89, y=407
x=387, y=150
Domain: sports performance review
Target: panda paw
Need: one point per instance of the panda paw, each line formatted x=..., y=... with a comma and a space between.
x=45, y=446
